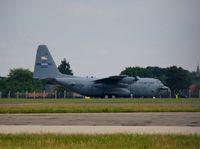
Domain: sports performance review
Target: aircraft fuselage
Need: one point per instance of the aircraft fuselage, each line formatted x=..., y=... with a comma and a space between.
x=126, y=87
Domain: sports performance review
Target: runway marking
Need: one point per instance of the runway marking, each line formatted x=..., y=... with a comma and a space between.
x=13, y=129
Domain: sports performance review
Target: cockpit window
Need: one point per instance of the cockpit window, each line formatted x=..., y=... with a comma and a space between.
x=159, y=82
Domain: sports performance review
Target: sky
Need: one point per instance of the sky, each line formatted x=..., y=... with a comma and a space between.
x=100, y=37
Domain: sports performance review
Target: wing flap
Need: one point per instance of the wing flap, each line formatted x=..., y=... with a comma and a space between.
x=111, y=79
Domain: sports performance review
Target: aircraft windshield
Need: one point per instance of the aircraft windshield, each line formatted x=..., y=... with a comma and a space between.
x=160, y=83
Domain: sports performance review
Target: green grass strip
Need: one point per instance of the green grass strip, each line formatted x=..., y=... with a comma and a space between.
x=95, y=107
x=113, y=141
x=133, y=100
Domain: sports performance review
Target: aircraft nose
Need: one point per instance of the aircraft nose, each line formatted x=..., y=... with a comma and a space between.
x=164, y=91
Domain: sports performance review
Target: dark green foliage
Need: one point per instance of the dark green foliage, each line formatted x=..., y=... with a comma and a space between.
x=178, y=78
x=64, y=67
x=136, y=71
x=2, y=84
x=21, y=80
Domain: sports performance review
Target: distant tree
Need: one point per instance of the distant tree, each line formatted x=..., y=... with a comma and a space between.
x=136, y=71
x=22, y=80
x=2, y=84
x=178, y=78
x=64, y=67
x=159, y=73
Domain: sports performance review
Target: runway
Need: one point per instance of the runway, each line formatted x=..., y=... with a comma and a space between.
x=102, y=123
x=108, y=119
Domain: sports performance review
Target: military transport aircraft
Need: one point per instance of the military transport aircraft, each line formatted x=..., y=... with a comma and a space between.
x=113, y=86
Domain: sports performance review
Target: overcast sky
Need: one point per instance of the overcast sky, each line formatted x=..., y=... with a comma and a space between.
x=100, y=37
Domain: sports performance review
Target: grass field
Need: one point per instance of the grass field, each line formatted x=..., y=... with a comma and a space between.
x=91, y=108
x=98, y=105
x=114, y=141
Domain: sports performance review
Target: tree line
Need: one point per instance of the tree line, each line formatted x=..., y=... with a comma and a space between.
x=21, y=80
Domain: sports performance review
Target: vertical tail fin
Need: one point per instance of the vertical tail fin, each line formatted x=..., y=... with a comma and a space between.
x=45, y=66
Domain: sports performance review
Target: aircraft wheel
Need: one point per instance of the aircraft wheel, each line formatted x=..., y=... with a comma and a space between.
x=113, y=96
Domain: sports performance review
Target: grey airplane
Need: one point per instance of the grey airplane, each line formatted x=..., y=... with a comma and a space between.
x=112, y=86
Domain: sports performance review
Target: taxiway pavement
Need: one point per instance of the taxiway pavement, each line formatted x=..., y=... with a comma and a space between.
x=112, y=119
x=102, y=123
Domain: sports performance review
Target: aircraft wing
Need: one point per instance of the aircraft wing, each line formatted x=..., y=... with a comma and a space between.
x=111, y=79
